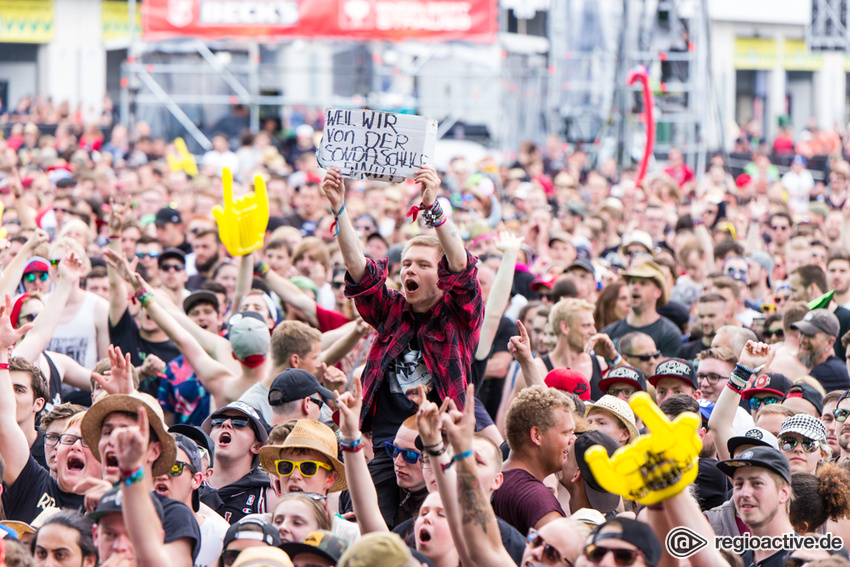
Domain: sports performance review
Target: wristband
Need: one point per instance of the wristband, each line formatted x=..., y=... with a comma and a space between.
x=4, y=366
x=261, y=268
x=734, y=387
x=335, y=225
x=131, y=477
x=436, y=452
x=616, y=361
x=351, y=444
x=744, y=369
x=352, y=448
x=465, y=454
x=144, y=297
x=740, y=376
x=697, y=221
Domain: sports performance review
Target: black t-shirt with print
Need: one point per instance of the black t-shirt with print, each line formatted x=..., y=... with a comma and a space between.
x=33, y=491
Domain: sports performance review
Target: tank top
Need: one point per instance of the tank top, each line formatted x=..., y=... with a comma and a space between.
x=78, y=338
x=595, y=376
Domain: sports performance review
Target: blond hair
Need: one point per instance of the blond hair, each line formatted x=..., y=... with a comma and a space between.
x=565, y=312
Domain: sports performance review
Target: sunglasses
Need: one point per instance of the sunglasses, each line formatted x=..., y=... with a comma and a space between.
x=756, y=403
x=307, y=469
x=550, y=554
x=51, y=439
x=237, y=422
x=710, y=377
x=624, y=557
x=735, y=272
x=143, y=255
x=29, y=317
x=778, y=333
x=409, y=455
x=55, y=262
x=794, y=561
x=31, y=277
x=69, y=439
x=171, y=268
x=627, y=392
x=781, y=227
x=337, y=285
x=644, y=357
x=840, y=415
x=790, y=443
x=179, y=467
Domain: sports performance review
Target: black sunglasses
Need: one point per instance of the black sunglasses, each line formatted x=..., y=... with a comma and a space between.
x=171, y=268
x=778, y=333
x=30, y=277
x=237, y=422
x=624, y=557
x=409, y=455
x=794, y=561
x=550, y=554
x=644, y=357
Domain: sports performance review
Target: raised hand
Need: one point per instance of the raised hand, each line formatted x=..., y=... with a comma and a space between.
x=8, y=334
x=334, y=378
x=349, y=405
x=151, y=365
x=131, y=443
x=118, y=262
x=242, y=222
x=520, y=346
x=601, y=344
x=117, y=214
x=119, y=378
x=460, y=426
x=428, y=419
x=508, y=241
x=429, y=183
x=334, y=188
x=38, y=237
x=71, y=267
x=755, y=354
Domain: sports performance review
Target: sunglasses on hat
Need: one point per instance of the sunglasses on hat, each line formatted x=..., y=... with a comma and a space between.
x=623, y=557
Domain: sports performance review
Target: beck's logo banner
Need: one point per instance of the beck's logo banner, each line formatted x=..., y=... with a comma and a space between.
x=391, y=20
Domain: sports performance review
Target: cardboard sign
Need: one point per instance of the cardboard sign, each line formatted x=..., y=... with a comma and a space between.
x=376, y=145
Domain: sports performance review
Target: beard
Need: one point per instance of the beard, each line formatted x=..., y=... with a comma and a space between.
x=844, y=441
x=205, y=267
x=807, y=358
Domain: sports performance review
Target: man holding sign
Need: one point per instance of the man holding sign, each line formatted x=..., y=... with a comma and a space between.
x=426, y=334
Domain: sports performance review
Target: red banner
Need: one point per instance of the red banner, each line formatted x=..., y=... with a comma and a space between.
x=392, y=20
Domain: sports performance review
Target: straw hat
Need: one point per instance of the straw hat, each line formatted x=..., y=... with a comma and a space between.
x=130, y=403
x=308, y=434
x=619, y=409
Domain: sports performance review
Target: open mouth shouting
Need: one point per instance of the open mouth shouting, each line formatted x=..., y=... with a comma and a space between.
x=225, y=439
x=411, y=285
x=75, y=464
x=161, y=487
x=110, y=461
x=424, y=535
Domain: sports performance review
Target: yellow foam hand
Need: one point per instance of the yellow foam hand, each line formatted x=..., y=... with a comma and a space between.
x=655, y=466
x=242, y=223
x=3, y=232
x=183, y=161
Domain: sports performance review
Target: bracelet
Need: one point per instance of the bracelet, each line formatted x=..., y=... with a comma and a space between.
x=262, y=268
x=144, y=297
x=131, y=477
x=351, y=444
x=740, y=376
x=616, y=361
x=744, y=369
x=465, y=454
x=335, y=225
x=734, y=387
x=436, y=452
x=352, y=448
x=4, y=366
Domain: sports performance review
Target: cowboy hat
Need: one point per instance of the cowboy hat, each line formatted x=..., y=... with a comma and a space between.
x=308, y=434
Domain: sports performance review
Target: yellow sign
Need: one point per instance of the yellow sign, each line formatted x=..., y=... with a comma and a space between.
x=29, y=21
x=114, y=16
x=755, y=53
x=797, y=57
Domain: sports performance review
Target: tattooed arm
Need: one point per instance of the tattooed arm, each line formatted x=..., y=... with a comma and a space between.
x=478, y=521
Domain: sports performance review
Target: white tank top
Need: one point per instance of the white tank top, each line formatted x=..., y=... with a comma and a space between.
x=78, y=338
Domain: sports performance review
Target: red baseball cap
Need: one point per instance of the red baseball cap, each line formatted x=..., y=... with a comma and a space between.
x=569, y=380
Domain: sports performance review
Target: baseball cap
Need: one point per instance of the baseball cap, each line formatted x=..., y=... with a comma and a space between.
x=634, y=532
x=295, y=384
x=706, y=407
x=763, y=457
x=763, y=259
x=808, y=393
x=171, y=254
x=588, y=516
x=804, y=424
x=818, y=321
x=262, y=556
x=379, y=549
x=769, y=382
x=637, y=237
x=167, y=215
x=249, y=338
x=582, y=264
x=201, y=439
x=257, y=421
x=113, y=501
x=626, y=374
x=37, y=264
x=675, y=368
x=543, y=282
x=200, y=296
x=267, y=534
x=569, y=380
x=754, y=436
x=189, y=447
x=322, y=543
x=599, y=498
x=560, y=237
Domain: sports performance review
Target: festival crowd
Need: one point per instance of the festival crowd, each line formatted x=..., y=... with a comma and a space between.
x=434, y=372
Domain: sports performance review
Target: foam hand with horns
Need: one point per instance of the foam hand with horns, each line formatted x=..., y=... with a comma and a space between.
x=656, y=466
x=183, y=161
x=242, y=223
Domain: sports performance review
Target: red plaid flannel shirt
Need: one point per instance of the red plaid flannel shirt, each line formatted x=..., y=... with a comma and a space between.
x=448, y=334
